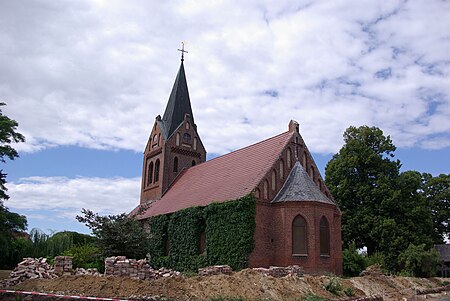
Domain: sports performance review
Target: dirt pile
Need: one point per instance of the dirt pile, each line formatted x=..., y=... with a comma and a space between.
x=246, y=284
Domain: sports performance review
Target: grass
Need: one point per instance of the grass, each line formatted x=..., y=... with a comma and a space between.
x=4, y=274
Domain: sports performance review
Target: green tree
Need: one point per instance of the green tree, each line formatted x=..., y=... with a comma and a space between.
x=10, y=223
x=117, y=234
x=437, y=193
x=8, y=135
x=360, y=177
x=383, y=209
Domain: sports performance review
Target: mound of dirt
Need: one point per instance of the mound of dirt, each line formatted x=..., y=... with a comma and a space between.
x=246, y=284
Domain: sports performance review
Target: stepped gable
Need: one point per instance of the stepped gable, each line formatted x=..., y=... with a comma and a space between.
x=228, y=177
x=300, y=187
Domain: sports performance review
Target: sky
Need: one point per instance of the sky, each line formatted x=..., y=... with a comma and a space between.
x=85, y=80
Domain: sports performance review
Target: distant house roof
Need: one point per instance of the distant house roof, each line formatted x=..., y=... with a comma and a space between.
x=444, y=251
x=300, y=187
x=224, y=178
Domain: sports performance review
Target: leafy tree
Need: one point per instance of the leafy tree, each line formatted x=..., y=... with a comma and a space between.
x=117, y=234
x=8, y=135
x=11, y=224
x=360, y=177
x=437, y=193
x=383, y=209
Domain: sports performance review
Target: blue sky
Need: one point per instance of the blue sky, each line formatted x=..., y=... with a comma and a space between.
x=85, y=80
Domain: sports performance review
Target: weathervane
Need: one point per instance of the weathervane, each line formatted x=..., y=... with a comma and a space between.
x=182, y=51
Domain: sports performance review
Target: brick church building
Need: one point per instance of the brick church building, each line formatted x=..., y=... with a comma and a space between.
x=297, y=221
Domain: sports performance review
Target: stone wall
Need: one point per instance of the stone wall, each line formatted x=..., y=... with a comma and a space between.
x=122, y=267
x=63, y=265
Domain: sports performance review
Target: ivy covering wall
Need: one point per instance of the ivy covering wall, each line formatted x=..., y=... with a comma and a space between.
x=229, y=229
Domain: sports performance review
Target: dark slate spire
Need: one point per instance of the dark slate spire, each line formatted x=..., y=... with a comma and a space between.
x=178, y=105
x=299, y=187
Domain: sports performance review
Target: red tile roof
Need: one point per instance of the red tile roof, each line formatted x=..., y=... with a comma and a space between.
x=224, y=178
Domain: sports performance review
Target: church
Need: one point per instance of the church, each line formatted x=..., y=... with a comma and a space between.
x=295, y=220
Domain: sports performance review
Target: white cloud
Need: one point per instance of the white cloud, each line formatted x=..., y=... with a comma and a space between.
x=65, y=197
x=95, y=74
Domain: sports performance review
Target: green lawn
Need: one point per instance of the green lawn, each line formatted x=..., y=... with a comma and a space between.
x=4, y=274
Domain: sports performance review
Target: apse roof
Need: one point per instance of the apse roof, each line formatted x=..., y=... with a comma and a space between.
x=300, y=187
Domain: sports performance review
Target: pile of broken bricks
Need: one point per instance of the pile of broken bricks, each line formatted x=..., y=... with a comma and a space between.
x=139, y=269
x=30, y=268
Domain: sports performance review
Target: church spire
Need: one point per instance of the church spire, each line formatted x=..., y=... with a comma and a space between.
x=179, y=103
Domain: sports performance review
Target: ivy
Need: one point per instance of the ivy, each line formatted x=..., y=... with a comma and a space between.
x=229, y=229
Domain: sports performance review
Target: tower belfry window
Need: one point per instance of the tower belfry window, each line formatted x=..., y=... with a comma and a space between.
x=150, y=174
x=156, y=171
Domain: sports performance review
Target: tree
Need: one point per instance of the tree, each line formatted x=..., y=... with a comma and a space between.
x=383, y=209
x=10, y=223
x=117, y=234
x=359, y=177
x=8, y=135
x=437, y=193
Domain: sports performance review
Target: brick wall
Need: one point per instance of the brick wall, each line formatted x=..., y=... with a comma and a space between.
x=273, y=236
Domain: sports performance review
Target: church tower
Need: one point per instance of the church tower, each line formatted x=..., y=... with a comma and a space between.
x=174, y=144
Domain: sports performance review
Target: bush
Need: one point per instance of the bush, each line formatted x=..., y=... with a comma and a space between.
x=418, y=262
x=376, y=258
x=349, y=291
x=86, y=256
x=334, y=286
x=353, y=262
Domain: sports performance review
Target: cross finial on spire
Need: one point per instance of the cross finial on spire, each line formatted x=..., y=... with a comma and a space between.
x=182, y=51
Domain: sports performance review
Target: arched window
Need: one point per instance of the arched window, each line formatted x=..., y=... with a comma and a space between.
x=156, y=171
x=288, y=157
x=175, y=164
x=299, y=236
x=186, y=138
x=195, y=143
x=266, y=190
x=177, y=139
x=281, y=169
x=159, y=139
x=311, y=173
x=155, y=140
x=188, y=125
x=324, y=236
x=257, y=193
x=194, y=163
x=274, y=180
x=150, y=174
